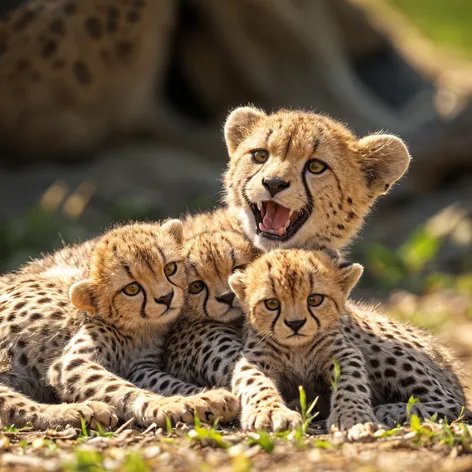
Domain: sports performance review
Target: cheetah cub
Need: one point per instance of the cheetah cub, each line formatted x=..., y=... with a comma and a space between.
x=299, y=320
x=122, y=307
x=206, y=342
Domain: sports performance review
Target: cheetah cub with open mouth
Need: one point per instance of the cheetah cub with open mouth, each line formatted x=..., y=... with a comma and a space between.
x=123, y=305
x=299, y=320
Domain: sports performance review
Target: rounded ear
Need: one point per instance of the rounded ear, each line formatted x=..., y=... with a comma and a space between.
x=350, y=275
x=238, y=123
x=237, y=283
x=81, y=296
x=175, y=228
x=385, y=158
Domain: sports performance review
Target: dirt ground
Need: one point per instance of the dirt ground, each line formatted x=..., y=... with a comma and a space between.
x=130, y=450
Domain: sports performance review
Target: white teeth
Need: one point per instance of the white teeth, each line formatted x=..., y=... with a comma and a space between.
x=259, y=206
x=287, y=223
x=290, y=215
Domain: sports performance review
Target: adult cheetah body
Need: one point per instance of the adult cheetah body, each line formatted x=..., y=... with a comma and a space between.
x=76, y=72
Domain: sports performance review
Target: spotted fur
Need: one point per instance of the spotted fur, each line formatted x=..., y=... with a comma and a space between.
x=338, y=200
x=76, y=72
x=203, y=346
x=83, y=353
x=299, y=320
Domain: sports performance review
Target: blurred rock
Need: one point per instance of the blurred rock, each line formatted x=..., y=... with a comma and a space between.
x=164, y=181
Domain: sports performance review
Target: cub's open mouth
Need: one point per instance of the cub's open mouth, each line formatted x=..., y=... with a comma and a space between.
x=277, y=222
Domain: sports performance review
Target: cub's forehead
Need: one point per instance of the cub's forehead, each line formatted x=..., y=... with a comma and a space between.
x=285, y=268
x=139, y=247
x=216, y=246
x=210, y=256
x=306, y=132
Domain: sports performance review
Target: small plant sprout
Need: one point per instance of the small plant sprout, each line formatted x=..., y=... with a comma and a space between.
x=168, y=426
x=307, y=417
x=13, y=429
x=263, y=439
x=84, y=433
x=411, y=401
x=336, y=375
x=100, y=431
x=204, y=435
x=135, y=463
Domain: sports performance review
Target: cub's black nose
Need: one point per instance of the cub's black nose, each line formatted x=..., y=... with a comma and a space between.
x=227, y=298
x=295, y=325
x=275, y=185
x=165, y=299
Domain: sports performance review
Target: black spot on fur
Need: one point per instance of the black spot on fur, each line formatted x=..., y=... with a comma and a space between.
x=43, y=300
x=57, y=27
x=70, y=8
x=407, y=381
x=113, y=13
x=124, y=49
x=93, y=27
x=90, y=392
x=23, y=21
x=390, y=373
x=82, y=73
x=132, y=16
x=74, y=363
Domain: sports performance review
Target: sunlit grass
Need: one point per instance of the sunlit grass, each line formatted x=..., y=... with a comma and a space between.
x=446, y=22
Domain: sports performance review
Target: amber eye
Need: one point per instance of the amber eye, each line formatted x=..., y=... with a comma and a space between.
x=196, y=287
x=170, y=269
x=316, y=166
x=272, y=304
x=260, y=156
x=132, y=289
x=315, y=299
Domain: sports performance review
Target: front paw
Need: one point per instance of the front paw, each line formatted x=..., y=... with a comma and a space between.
x=221, y=403
x=344, y=420
x=362, y=431
x=208, y=406
x=275, y=417
x=92, y=412
x=391, y=415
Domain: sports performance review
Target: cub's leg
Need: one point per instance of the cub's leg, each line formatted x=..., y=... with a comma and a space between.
x=351, y=397
x=204, y=352
x=254, y=384
x=393, y=414
x=418, y=379
x=19, y=409
x=84, y=372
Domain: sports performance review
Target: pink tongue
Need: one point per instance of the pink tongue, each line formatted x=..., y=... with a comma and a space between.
x=275, y=218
